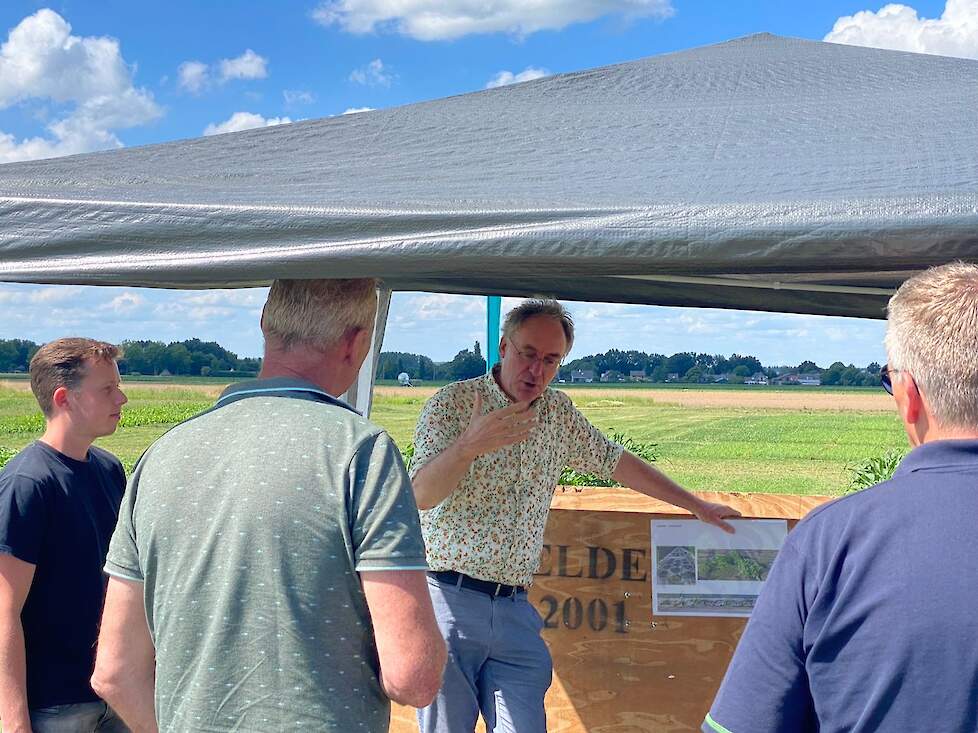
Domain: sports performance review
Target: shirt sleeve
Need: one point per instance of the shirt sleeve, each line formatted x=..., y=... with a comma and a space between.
x=122, y=560
x=441, y=423
x=766, y=685
x=23, y=517
x=384, y=525
x=587, y=448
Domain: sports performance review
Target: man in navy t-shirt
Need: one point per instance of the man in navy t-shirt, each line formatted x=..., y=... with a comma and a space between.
x=59, y=500
x=868, y=620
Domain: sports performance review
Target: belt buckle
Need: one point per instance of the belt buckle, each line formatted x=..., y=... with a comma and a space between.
x=499, y=587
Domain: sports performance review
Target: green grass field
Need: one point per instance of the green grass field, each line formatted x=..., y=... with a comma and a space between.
x=724, y=448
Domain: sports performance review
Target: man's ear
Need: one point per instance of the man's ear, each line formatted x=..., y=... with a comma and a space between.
x=357, y=342
x=60, y=398
x=912, y=404
x=502, y=346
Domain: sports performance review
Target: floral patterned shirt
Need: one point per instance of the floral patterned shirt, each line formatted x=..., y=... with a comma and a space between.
x=491, y=527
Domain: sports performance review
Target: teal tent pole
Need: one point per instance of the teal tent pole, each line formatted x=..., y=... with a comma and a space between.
x=494, y=304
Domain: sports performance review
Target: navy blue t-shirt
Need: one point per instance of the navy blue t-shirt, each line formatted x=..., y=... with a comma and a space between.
x=58, y=514
x=868, y=620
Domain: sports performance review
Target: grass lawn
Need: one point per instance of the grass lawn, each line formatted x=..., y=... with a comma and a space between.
x=726, y=447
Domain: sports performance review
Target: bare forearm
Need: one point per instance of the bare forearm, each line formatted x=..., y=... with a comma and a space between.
x=442, y=475
x=130, y=693
x=14, y=714
x=640, y=476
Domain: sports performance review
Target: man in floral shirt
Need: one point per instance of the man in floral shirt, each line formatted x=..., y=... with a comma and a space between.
x=488, y=455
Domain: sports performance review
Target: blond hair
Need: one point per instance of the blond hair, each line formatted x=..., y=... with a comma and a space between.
x=540, y=307
x=63, y=363
x=318, y=313
x=932, y=333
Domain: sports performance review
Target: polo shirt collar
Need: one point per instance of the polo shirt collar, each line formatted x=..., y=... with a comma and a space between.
x=278, y=387
x=939, y=454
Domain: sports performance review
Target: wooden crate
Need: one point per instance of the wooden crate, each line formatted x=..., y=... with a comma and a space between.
x=616, y=668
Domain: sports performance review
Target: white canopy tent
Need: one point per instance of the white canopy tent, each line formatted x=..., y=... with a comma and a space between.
x=764, y=173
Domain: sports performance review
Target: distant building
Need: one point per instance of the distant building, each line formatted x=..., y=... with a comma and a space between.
x=804, y=380
x=582, y=375
x=636, y=375
x=756, y=378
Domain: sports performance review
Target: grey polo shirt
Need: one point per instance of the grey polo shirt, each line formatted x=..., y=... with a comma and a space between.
x=247, y=525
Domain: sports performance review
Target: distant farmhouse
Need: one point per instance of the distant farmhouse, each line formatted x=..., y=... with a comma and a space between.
x=582, y=375
x=811, y=379
x=636, y=375
x=756, y=378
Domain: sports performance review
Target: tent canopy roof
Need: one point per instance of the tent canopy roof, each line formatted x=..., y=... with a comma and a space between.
x=764, y=173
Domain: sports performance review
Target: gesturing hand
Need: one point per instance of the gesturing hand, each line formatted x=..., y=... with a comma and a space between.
x=497, y=429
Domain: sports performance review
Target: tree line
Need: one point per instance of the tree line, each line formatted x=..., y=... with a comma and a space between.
x=194, y=357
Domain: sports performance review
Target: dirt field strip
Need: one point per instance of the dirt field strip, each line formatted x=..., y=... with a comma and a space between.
x=734, y=398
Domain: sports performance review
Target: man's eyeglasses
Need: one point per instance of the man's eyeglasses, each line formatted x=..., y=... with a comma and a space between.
x=530, y=356
x=885, y=378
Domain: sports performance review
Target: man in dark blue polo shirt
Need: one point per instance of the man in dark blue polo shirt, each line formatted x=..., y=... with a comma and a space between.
x=59, y=500
x=868, y=620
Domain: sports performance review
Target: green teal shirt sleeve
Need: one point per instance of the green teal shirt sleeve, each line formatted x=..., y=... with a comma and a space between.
x=122, y=560
x=384, y=526
x=766, y=685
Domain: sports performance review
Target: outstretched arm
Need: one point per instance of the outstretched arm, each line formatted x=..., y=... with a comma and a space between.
x=635, y=473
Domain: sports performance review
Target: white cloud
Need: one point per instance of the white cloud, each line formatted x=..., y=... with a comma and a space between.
x=125, y=302
x=42, y=60
x=431, y=20
x=373, y=74
x=898, y=27
x=193, y=76
x=196, y=76
x=508, y=77
x=248, y=65
x=295, y=97
x=244, y=121
x=355, y=110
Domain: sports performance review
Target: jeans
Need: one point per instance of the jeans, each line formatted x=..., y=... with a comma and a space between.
x=82, y=717
x=498, y=665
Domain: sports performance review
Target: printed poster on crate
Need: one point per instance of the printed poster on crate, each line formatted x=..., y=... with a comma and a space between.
x=700, y=570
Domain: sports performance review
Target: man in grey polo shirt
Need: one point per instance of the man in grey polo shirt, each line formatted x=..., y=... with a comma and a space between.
x=268, y=567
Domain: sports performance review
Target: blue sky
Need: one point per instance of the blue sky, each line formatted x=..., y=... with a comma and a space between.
x=77, y=76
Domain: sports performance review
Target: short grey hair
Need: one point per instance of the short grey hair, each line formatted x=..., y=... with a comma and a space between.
x=932, y=332
x=539, y=307
x=318, y=313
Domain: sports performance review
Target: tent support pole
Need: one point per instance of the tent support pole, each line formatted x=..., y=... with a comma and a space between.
x=494, y=304
x=361, y=392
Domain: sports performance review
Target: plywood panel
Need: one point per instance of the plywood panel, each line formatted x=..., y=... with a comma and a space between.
x=616, y=668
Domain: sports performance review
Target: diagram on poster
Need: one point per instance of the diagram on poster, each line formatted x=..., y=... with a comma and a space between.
x=700, y=570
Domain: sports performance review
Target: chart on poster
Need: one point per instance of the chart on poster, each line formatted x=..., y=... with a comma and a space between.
x=700, y=570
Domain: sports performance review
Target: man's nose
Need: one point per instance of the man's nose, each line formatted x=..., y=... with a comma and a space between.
x=536, y=368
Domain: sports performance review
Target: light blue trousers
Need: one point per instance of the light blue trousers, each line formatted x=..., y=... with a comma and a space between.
x=83, y=717
x=497, y=664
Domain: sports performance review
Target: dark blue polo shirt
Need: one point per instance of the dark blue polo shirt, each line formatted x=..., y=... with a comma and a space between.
x=58, y=514
x=868, y=620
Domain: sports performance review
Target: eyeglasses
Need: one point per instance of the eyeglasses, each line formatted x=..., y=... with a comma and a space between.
x=530, y=356
x=885, y=378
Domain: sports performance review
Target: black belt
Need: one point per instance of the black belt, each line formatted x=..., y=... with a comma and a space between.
x=450, y=577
